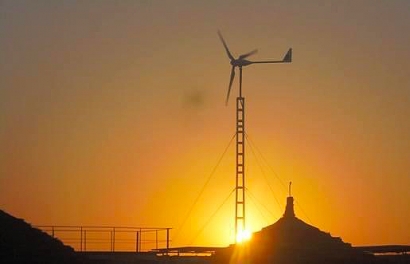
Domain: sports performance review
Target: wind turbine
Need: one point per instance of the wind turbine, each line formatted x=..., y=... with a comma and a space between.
x=241, y=62
x=240, y=230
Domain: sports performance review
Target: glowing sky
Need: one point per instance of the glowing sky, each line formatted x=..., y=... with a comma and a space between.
x=112, y=113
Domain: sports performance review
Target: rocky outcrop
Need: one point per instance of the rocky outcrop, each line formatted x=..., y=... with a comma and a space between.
x=21, y=243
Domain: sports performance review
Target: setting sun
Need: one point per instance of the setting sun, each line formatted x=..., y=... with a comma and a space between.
x=243, y=236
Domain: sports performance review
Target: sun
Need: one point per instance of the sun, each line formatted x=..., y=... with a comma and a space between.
x=243, y=236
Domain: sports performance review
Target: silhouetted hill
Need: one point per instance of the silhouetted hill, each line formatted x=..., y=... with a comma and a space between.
x=21, y=243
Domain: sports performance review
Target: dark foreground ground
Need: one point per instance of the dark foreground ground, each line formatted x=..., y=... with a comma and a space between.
x=127, y=257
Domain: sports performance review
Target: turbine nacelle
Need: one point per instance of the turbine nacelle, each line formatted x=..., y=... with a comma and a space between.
x=240, y=63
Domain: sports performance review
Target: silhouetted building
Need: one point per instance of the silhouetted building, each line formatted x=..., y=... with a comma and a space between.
x=290, y=240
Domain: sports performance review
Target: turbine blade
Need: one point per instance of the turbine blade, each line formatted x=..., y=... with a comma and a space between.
x=230, y=84
x=226, y=46
x=243, y=56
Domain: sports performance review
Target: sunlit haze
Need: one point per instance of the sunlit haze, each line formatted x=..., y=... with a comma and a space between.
x=113, y=113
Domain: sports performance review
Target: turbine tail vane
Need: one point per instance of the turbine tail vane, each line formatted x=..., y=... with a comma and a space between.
x=288, y=56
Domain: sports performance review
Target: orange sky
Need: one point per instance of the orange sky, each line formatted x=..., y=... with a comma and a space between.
x=113, y=114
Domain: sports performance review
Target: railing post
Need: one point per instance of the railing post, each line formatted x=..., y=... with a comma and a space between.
x=137, y=238
x=113, y=239
x=111, y=247
x=85, y=240
x=156, y=239
x=81, y=238
x=167, y=240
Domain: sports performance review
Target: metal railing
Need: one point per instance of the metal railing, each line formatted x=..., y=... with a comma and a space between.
x=113, y=239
